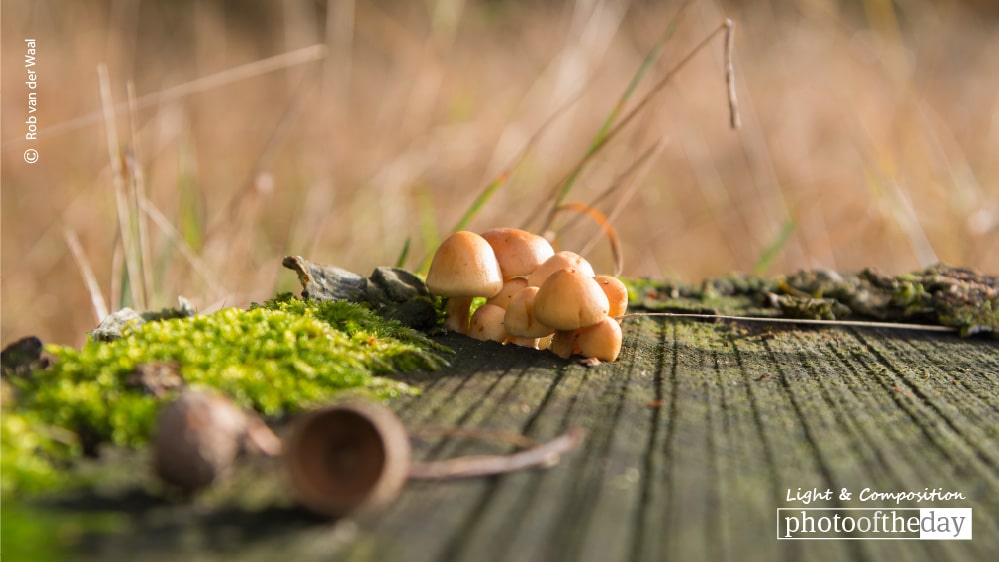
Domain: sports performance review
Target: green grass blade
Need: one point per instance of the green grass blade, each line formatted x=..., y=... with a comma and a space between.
x=401, y=260
x=481, y=201
x=607, y=129
x=771, y=251
x=430, y=236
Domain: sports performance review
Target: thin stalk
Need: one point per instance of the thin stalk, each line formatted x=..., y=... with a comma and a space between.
x=504, y=175
x=636, y=171
x=733, y=101
x=807, y=321
x=608, y=230
x=544, y=455
x=205, y=83
x=562, y=189
x=605, y=140
x=120, y=196
x=137, y=193
x=192, y=258
x=93, y=287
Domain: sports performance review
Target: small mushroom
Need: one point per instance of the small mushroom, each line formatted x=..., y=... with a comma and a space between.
x=519, y=252
x=487, y=323
x=559, y=261
x=463, y=267
x=510, y=286
x=617, y=294
x=520, y=321
x=570, y=299
x=200, y=434
x=601, y=341
x=348, y=457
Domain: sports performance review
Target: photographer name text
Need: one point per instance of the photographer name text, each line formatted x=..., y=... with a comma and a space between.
x=31, y=132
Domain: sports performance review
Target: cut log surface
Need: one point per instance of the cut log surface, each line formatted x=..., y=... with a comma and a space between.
x=694, y=439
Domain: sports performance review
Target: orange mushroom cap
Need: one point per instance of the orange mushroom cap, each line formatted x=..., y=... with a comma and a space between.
x=570, y=299
x=464, y=266
x=559, y=261
x=617, y=294
x=602, y=341
x=487, y=323
x=519, y=252
x=510, y=286
x=520, y=319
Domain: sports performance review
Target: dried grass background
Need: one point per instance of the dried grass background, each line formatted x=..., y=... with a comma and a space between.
x=872, y=127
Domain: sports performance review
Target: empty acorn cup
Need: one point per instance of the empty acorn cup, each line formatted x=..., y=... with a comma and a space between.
x=355, y=457
x=347, y=457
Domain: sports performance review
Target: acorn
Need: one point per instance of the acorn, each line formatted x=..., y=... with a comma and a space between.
x=199, y=436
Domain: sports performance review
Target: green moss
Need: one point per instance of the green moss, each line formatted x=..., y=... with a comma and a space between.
x=278, y=357
x=956, y=297
x=31, y=450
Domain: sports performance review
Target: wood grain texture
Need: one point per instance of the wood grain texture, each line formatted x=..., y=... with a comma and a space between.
x=693, y=438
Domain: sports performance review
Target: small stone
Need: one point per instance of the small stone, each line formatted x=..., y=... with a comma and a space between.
x=24, y=356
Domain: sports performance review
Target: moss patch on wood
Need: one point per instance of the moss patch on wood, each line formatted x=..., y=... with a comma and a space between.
x=949, y=296
x=276, y=358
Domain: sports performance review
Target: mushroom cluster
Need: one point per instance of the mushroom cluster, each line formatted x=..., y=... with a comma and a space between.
x=536, y=297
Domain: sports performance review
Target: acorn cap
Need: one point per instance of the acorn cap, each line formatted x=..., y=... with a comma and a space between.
x=348, y=457
x=520, y=320
x=519, y=252
x=464, y=266
x=559, y=261
x=570, y=299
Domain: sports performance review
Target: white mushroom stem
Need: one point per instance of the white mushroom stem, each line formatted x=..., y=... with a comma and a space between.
x=533, y=343
x=546, y=342
x=457, y=314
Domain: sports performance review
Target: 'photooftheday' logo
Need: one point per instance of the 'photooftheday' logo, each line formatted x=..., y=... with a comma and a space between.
x=873, y=523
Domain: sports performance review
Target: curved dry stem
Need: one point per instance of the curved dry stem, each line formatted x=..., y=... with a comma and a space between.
x=544, y=455
x=608, y=230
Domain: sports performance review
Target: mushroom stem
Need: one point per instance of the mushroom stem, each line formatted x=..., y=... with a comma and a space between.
x=564, y=343
x=457, y=314
x=522, y=341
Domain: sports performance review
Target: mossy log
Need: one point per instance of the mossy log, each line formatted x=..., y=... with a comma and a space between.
x=694, y=438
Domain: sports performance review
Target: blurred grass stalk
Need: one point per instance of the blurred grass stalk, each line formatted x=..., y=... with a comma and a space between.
x=134, y=285
x=126, y=205
x=609, y=129
x=871, y=128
